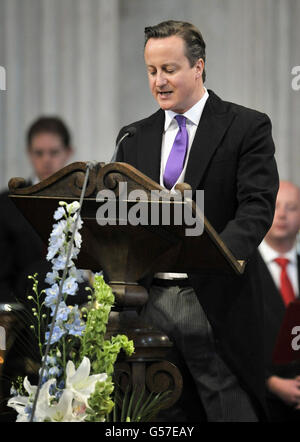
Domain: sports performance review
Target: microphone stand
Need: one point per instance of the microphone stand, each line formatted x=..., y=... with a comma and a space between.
x=130, y=131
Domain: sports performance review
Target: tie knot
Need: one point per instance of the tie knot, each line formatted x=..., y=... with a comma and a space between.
x=181, y=120
x=282, y=262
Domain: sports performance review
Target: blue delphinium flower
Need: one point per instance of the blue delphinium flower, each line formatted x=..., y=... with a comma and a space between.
x=52, y=277
x=59, y=262
x=13, y=391
x=51, y=295
x=58, y=332
x=45, y=375
x=28, y=411
x=58, y=229
x=75, y=326
x=62, y=312
x=57, y=239
x=50, y=360
x=59, y=213
x=54, y=246
x=52, y=389
x=70, y=286
x=55, y=371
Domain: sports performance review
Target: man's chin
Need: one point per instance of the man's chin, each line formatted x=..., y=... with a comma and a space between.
x=45, y=176
x=279, y=236
x=165, y=103
x=280, y=232
x=165, y=106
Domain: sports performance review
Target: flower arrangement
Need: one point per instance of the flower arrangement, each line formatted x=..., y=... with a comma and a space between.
x=77, y=361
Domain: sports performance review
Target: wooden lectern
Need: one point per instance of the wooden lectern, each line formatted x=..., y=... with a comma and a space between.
x=127, y=253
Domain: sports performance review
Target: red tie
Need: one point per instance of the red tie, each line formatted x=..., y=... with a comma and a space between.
x=286, y=287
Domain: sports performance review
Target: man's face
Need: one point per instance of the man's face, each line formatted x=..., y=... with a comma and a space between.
x=47, y=154
x=173, y=82
x=286, y=223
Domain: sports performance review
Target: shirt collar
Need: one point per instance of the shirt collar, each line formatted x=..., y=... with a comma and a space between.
x=269, y=254
x=193, y=114
x=34, y=179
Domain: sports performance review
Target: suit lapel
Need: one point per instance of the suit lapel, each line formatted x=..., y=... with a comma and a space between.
x=213, y=124
x=149, y=142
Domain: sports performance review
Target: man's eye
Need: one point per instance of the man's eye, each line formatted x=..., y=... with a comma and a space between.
x=291, y=208
x=37, y=153
x=54, y=153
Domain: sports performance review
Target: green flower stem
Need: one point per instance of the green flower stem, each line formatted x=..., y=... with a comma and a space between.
x=38, y=313
x=101, y=352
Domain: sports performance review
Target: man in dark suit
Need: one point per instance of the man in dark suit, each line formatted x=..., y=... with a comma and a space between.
x=279, y=274
x=49, y=148
x=228, y=151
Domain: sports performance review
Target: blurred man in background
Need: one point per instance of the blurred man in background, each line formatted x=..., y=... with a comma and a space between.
x=49, y=147
x=22, y=252
x=279, y=275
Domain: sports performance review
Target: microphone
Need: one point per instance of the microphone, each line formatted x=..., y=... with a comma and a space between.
x=129, y=133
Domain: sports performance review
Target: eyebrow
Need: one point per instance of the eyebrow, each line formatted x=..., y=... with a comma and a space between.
x=165, y=65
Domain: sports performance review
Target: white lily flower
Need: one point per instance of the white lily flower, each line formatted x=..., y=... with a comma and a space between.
x=23, y=404
x=47, y=408
x=19, y=403
x=43, y=401
x=80, y=382
x=61, y=411
x=31, y=389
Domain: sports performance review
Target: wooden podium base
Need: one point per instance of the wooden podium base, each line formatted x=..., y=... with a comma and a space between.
x=147, y=368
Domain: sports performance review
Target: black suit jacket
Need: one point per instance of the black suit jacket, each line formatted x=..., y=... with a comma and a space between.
x=274, y=311
x=232, y=160
x=20, y=246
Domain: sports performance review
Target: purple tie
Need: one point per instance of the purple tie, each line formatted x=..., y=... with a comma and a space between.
x=177, y=155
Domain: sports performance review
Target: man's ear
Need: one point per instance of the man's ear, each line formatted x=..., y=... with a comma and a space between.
x=199, y=66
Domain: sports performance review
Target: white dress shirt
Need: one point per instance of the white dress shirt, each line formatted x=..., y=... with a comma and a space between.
x=270, y=254
x=193, y=116
x=35, y=180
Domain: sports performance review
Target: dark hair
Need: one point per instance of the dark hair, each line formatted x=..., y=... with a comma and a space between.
x=194, y=43
x=52, y=125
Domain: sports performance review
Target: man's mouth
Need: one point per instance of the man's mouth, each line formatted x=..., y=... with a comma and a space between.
x=164, y=93
x=280, y=226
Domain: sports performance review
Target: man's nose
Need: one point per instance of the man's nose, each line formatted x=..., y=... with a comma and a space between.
x=161, y=79
x=47, y=157
x=281, y=212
